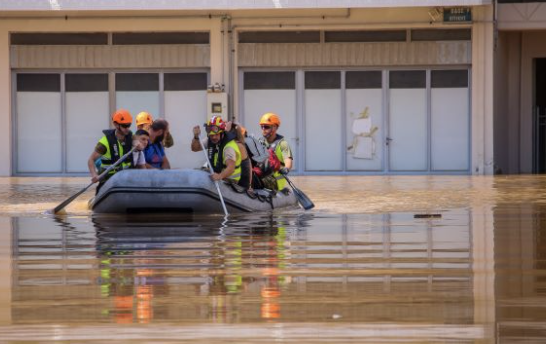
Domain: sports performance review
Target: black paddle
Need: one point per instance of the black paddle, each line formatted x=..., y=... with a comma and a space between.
x=302, y=198
x=102, y=175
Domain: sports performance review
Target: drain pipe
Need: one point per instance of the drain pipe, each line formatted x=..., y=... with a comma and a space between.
x=230, y=62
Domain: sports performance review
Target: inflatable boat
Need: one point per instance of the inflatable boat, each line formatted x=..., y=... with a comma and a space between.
x=181, y=191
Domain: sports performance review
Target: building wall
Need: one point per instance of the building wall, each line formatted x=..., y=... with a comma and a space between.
x=5, y=105
x=514, y=89
x=532, y=46
x=501, y=105
x=218, y=70
x=224, y=51
x=507, y=103
x=521, y=39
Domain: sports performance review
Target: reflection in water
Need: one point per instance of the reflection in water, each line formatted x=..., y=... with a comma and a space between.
x=361, y=267
x=520, y=233
x=287, y=269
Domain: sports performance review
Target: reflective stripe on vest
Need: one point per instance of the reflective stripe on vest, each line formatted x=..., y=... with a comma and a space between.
x=236, y=175
x=106, y=158
x=281, y=181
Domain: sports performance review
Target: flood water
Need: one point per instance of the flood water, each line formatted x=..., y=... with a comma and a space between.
x=400, y=259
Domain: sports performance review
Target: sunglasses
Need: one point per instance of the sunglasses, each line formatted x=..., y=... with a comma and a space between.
x=265, y=126
x=125, y=126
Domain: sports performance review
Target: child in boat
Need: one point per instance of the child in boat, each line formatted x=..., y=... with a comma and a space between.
x=140, y=141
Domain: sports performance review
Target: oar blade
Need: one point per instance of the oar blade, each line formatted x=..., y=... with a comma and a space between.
x=68, y=201
x=302, y=198
x=304, y=201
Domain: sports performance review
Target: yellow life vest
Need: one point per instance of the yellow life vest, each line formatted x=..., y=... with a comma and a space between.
x=110, y=141
x=236, y=175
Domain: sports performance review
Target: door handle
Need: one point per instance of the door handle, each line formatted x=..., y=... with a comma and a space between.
x=388, y=140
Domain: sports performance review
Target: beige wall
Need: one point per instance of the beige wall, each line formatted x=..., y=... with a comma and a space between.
x=526, y=16
x=522, y=37
x=508, y=131
x=91, y=25
x=532, y=46
x=221, y=55
x=514, y=87
x=5, y=105
x=500, y=92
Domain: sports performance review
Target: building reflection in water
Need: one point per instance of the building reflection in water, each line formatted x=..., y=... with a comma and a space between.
x=350, y=268
x=476, y=274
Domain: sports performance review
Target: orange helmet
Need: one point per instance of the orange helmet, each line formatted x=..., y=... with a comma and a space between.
x=215, y=125
x=122, y=116
x=270, y=119
x=144, y=118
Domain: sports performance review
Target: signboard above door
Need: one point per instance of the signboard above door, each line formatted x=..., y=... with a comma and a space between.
x=457, y=15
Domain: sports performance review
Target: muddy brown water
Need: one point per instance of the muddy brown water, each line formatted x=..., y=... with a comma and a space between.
x=390, y=259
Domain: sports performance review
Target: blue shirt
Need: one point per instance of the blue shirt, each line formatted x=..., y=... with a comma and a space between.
x=154, y=154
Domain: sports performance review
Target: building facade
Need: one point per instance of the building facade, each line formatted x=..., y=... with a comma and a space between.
x=362, y=87
x=520, y=87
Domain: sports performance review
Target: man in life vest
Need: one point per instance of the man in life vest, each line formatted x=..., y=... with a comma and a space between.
x=270, y=123
x=222, y=150
x=144, y=121
x=112, y=146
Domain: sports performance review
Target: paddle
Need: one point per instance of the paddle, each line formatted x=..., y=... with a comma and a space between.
x=101, y=176
x=302, y=198
x=212, y=172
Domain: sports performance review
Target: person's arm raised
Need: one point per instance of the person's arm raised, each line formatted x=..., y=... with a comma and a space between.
x=195, y=144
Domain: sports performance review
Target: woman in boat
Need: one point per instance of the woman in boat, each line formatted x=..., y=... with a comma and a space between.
x=155, y=152
x=246, y=166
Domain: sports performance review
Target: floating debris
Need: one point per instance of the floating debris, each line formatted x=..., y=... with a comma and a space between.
x=427, y=216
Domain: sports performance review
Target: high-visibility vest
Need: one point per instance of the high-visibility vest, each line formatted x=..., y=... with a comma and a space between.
x=218, y=158
x=276, y=147
x=114, y=151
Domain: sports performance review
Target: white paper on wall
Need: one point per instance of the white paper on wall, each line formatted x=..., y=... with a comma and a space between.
x=362, y=126
x=363, y=146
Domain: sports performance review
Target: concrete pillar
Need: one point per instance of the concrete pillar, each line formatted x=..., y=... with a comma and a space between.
x=482, y=91
x=216, y=52
x=5, y=105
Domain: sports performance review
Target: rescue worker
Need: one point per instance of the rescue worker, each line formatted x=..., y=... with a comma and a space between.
x=270, y=123
x=112, y=146
x=222, y=149
x=144, y=120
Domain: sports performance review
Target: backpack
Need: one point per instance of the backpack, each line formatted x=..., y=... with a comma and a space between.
x=267, y=162
x=258, y=152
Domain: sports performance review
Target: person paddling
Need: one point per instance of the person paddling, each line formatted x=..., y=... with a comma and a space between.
x=114, y=144
x=223, y=151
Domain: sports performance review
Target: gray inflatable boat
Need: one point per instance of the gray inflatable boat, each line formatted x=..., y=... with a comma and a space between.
x=181, y=191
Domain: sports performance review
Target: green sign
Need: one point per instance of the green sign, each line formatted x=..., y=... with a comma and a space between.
x=457, y=15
